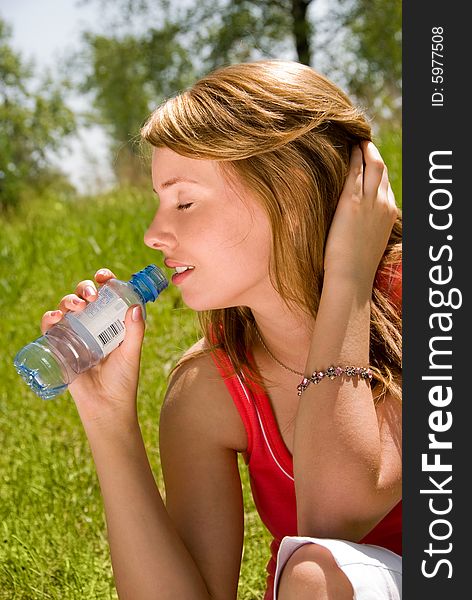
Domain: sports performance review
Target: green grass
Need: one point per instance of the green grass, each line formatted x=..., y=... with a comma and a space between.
x=53, y=538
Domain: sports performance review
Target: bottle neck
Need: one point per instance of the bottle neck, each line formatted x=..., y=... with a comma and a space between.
x=149, y=283
x=143, y=292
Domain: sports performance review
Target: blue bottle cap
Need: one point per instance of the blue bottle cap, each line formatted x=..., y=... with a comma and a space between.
x=149, y=282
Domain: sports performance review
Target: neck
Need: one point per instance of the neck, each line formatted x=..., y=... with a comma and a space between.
x=287, y=335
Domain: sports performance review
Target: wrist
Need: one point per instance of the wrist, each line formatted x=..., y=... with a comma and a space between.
x=349, y=281
x=114, y=444
x=342, y=325
x=109, y=424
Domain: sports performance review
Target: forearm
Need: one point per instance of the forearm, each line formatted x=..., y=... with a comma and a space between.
x=149, y=559
x=337, y=450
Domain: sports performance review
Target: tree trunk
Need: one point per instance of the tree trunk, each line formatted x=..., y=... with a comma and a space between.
x=301, y=30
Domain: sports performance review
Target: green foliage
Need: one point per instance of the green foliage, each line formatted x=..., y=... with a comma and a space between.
x=53, y=537
x=32, y=123
x=371, y=55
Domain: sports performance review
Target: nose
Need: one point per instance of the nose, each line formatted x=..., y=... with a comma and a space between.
x=160, y=236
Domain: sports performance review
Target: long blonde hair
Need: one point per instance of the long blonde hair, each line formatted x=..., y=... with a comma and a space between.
x=286, y=132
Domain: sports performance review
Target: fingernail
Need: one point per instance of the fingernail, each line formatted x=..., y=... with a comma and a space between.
x=89, y=291
x=77, y=301
x=136, y=313
x=102, y=272
x=55, y=313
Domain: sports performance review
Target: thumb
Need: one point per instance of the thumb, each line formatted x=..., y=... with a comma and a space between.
x=135, y=328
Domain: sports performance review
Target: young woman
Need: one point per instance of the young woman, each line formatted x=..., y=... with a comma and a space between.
x=276, y=212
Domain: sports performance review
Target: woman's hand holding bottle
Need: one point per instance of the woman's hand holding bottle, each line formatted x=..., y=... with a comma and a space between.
x=106, y=392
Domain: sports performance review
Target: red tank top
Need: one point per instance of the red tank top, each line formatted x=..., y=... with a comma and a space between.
x=271, y=471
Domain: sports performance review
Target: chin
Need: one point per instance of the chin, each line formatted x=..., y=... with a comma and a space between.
x=200, y=303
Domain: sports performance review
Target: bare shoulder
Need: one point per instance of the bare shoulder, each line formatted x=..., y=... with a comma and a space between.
x=195, y=376
x=198, y=399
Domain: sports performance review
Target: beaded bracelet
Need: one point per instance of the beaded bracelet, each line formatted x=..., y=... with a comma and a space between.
x=332, y=373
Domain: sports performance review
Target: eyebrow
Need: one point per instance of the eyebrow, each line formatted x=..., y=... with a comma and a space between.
x=173, y=181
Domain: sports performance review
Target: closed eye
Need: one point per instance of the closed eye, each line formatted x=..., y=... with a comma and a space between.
x=184, y=206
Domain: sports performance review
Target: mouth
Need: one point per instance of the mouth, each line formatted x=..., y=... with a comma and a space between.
x=182, y=269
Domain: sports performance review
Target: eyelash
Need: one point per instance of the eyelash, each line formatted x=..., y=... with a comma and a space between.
x=185, y=206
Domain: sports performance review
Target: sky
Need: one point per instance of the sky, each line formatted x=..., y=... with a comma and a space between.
x=45, y=31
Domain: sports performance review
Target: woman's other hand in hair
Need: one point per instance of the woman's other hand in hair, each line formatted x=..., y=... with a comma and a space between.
x=363, y=220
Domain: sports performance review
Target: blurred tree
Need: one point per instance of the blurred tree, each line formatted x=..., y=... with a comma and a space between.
x=217, y=32
x=128, y=74
x=32, y=123
x=239, y=30
x=160, y=47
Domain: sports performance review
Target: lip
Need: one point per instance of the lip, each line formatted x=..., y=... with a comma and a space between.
x=171, y=264
x=178, y=278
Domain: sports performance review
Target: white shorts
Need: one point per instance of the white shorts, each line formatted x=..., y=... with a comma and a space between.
x=374, y=572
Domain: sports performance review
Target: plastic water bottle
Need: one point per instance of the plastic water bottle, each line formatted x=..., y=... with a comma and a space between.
x=81, y=340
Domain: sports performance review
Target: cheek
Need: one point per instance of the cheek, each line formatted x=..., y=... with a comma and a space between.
x=248, y=230
x=231, y=273
x=246, y=247
x=243, y=259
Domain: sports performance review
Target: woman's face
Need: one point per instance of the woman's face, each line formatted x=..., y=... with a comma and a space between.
x=217, y=229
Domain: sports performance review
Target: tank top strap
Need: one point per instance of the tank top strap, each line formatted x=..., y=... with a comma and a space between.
x=265, y=443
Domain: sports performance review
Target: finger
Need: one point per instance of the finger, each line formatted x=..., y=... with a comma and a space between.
x=86, y=289
x=391, y=201
x=50, y=318
x=353, y=184
x=385, y=193
x=384, y=183
x=374, y=169
x=72, y=302
x=103, y=275
x=382, y=196
x=135, y=327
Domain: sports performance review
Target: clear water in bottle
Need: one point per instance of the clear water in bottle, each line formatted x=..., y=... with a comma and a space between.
x=81, y=340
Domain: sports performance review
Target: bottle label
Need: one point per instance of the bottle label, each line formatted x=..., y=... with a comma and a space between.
x=105, y=319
